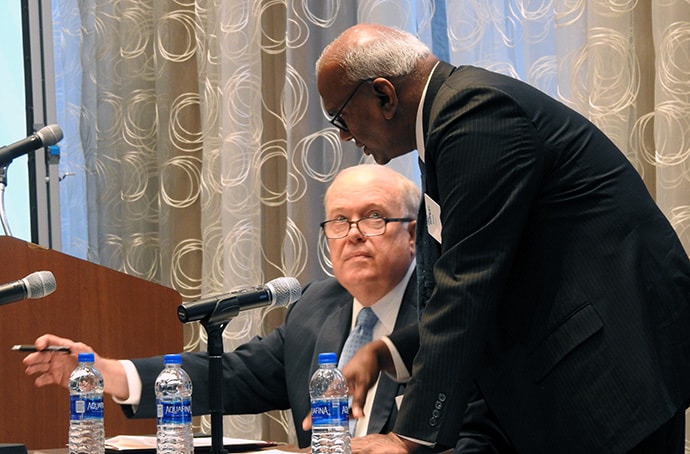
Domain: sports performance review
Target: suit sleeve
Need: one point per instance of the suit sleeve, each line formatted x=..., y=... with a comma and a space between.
x=253, y=378
x=406, y=341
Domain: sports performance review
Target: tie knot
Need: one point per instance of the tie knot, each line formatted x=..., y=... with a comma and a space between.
x=366, y=318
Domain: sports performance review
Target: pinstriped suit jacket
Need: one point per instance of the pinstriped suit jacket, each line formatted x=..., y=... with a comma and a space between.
x=559, y=287
x=273, y=372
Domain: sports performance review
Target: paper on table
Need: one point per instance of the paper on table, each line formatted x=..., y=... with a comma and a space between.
x=273, y=451
x=135, y=442
x=122, y=442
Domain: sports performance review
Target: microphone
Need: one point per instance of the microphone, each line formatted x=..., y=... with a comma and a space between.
x=279, y=293
x=44, y=137
x=35, y=285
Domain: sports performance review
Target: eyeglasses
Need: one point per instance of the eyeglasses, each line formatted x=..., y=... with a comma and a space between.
x=369, y=226
x=337, y=119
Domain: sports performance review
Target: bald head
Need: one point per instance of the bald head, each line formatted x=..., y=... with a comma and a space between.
x=402, y=192
x=373, y=50
x=371, y=79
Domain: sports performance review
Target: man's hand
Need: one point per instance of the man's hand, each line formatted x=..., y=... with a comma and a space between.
x=361, y=373
x=363, y=370
x=383, y=444
x=54, y=368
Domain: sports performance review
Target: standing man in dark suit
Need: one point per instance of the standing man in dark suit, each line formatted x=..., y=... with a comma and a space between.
x=549, y=279
x=370, y=213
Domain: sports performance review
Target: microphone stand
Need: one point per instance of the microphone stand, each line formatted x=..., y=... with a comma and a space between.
x=6, y=447
x=214, y=324
x=3, y=215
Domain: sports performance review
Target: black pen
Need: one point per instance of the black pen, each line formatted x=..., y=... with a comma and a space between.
x=33, y=348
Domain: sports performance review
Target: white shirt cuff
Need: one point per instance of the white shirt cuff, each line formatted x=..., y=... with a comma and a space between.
x=419, y=442
x=402, y=375
x=133, y=383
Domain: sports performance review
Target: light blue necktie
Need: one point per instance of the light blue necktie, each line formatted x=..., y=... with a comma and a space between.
x=360, y=335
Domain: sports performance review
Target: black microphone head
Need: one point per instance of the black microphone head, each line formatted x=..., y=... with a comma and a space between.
x=49, y=135
x=285, y=290
x=39, y=284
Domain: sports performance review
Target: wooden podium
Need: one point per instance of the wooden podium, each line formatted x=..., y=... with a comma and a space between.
x=120, y=316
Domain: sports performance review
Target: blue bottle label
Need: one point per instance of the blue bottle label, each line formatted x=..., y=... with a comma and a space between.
x=178, y=412
x=85, y=408
x=330, y=412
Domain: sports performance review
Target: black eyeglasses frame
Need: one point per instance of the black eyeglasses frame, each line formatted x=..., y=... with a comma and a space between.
x=356, y=223
x=337, y=119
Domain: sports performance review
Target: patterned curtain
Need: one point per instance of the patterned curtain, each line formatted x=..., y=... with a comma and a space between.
x=198, y=155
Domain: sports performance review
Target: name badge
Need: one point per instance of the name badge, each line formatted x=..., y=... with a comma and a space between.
x=433, y=218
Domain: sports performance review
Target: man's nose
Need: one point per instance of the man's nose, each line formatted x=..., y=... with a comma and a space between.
x=346, y=136
x=358, y=233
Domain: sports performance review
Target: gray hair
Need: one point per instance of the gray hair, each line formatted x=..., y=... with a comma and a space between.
x=389, y=53
x=411, y=196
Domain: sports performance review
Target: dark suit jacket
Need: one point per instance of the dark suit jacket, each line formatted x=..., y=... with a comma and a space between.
x=559, y=287
x=273, y=372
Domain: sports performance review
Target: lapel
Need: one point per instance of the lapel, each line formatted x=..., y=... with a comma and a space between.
x=335, y=329
x=442, y=71
x=427, y=251
x=384, y=400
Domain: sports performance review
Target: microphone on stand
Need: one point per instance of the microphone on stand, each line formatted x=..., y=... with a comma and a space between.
x=279, y=293
x=214, y=313
x=35, y=285
x=44, y=137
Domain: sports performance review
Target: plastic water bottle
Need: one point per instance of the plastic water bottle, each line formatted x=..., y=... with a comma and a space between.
x=329, y=408
x=174, y=409
x=86, y=432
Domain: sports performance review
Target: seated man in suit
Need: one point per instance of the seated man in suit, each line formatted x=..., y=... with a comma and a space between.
x=370, y=212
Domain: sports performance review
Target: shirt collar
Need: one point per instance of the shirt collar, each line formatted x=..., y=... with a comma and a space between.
x=419, y=126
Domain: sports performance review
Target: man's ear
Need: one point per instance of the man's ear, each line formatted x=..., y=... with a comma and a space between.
x=383, y=97
x=387, y=95
x=412, y=229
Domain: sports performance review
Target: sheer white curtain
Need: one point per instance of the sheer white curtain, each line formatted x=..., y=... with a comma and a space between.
x=200, y=155
x=623, y=64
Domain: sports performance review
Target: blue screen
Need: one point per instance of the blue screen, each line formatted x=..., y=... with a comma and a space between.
x=13, y=119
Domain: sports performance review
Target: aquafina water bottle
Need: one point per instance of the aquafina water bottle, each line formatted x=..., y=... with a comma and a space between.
x=329, y=408
x=86, y=431
x=174, y=409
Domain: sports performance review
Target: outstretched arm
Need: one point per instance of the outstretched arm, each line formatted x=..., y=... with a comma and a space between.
x=54, y=368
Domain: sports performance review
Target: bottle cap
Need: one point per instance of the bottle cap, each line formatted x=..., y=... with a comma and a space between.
x=175, y=358
x=328, y=358
x=85, y=357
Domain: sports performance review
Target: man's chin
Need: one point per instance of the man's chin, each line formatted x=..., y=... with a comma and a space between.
x=379, y=158
x=355, y=274
x=382, y=161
